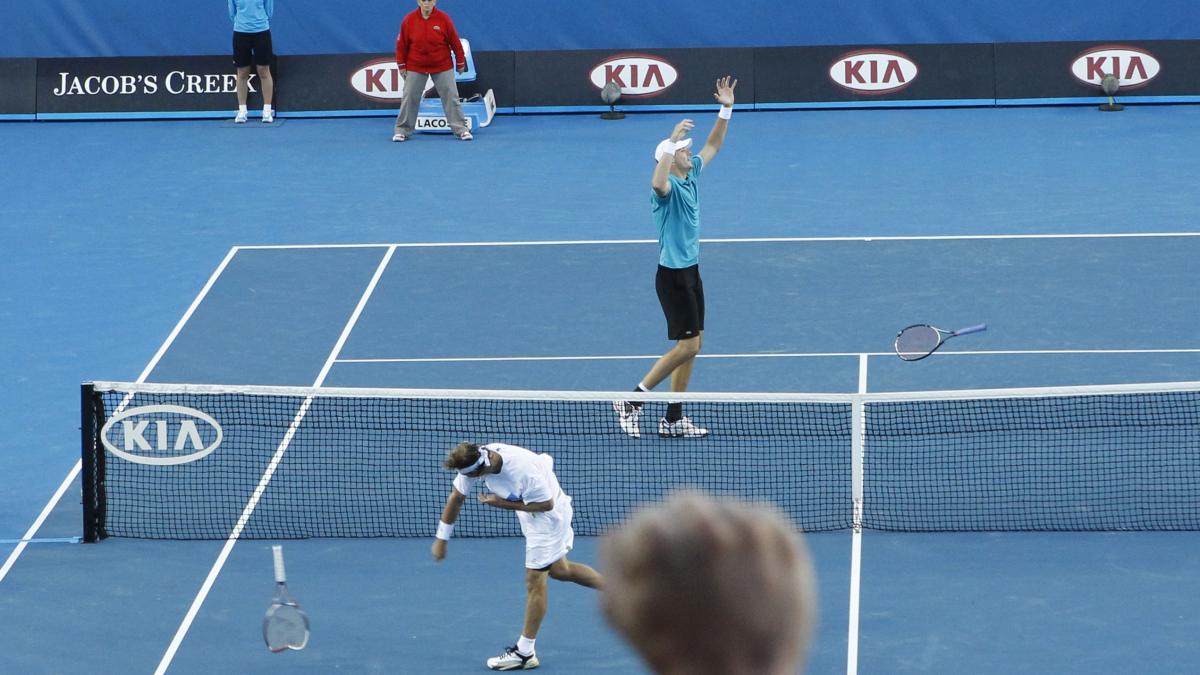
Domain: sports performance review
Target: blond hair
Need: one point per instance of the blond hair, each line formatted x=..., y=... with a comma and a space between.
x=702, y=585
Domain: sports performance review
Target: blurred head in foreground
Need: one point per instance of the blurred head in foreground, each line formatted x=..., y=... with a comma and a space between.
x=707, y=585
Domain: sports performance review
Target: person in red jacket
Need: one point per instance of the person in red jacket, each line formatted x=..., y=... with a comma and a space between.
x=427, y=38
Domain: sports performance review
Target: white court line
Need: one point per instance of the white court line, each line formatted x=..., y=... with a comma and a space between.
x=186, y=624
x=74, y=472
x=760, y=355
x=858, y=422
x=734, y=240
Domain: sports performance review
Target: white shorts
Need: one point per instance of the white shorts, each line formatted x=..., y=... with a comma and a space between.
x=548, y=535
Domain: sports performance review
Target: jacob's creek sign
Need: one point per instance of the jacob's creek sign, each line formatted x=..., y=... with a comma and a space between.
x=174, y=82
x=136, y=84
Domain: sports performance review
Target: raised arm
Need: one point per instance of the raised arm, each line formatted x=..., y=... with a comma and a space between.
x=454, y=503
x=662, y=171
x=716, y=137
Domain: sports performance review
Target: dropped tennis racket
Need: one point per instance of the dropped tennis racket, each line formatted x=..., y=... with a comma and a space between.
x=920, y=340
x=286, y=625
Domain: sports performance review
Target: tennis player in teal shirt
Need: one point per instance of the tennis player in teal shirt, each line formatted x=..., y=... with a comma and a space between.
x=675, y=204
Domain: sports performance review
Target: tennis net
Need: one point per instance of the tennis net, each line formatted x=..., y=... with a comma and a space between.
x=207, y=462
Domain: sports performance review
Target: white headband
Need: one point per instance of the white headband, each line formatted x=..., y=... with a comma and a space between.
x=669, y=147
x=482, y=462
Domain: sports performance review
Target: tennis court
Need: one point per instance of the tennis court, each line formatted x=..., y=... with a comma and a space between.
x=317, y=253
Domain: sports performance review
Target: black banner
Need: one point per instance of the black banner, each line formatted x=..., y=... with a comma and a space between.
x=661, y=77
x=18, y=82
x=872, y=74
x=550, y=81
x=1075, y=69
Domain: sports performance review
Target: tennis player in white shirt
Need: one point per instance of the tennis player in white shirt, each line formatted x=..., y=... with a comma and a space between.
x=522, y=481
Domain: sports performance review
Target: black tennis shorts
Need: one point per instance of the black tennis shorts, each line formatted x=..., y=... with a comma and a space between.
x=251, y=48
x=681, y=294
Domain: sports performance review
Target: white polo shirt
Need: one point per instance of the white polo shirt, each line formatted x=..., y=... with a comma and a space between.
x=528, y=477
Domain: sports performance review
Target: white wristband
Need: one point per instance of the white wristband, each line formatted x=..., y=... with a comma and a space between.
x=725, y=113
x=444, y=531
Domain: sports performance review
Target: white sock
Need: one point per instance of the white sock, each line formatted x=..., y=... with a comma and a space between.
x=241, y=108
x=267, y=108
x=525, y=646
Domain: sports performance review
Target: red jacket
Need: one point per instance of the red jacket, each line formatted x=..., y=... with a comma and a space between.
x=424, y=45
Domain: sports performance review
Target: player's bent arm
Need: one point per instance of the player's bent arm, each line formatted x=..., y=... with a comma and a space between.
x=531, y=507
x=660, y=182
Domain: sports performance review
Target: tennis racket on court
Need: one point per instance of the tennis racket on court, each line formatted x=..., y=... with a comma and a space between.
x=920, y=340
x=286, y=625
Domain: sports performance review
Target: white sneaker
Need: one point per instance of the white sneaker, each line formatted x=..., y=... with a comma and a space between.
x=268, y=116
x=399, y=138
x=465, y=136
x=241, y=117
x=680, y=429
x=511, y=660
x=629, y=415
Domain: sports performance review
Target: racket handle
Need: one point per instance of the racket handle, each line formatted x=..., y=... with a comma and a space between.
x=280, y=576
x=971, y=329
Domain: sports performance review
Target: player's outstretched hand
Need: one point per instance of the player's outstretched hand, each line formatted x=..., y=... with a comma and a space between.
x=439, y=549
x=681, y=130
x=724, y=93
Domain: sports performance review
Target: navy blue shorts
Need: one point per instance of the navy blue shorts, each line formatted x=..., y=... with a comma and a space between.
x=251, y=48
x=681, y=294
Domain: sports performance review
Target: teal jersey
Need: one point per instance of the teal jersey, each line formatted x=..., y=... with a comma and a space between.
x=677, y=217
x=251, y=16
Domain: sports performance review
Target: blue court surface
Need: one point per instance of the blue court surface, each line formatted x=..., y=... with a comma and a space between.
x=195, y=252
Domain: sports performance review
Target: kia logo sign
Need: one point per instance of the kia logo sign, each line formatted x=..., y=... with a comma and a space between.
x=636, y=74
x=873, y=71
x=1133, y=67
x=161, y=435
x=380, y=80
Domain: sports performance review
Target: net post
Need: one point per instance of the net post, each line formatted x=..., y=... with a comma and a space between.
x=92, y=459
x=858, y=442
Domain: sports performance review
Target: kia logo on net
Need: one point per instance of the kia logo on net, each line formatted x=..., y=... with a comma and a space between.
x=380, y=80
x=1133, y=67
x=873, y=71
x=636, y=74
x=161, y=434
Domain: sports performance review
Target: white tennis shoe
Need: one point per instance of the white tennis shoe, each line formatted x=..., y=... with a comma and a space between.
x=268, y=116
x=682, y=428
x=241, y=117
x=628, y=414
x=511, y=660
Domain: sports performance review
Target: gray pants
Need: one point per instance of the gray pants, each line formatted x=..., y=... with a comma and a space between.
x=410, y=106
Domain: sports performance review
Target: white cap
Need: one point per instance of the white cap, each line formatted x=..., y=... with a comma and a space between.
x=670, y=146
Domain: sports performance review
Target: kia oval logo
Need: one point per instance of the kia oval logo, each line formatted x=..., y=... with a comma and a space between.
x=873, y=71
x=161, y=435
x=380, y=80
x=638, y=75
x=1133, y=67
